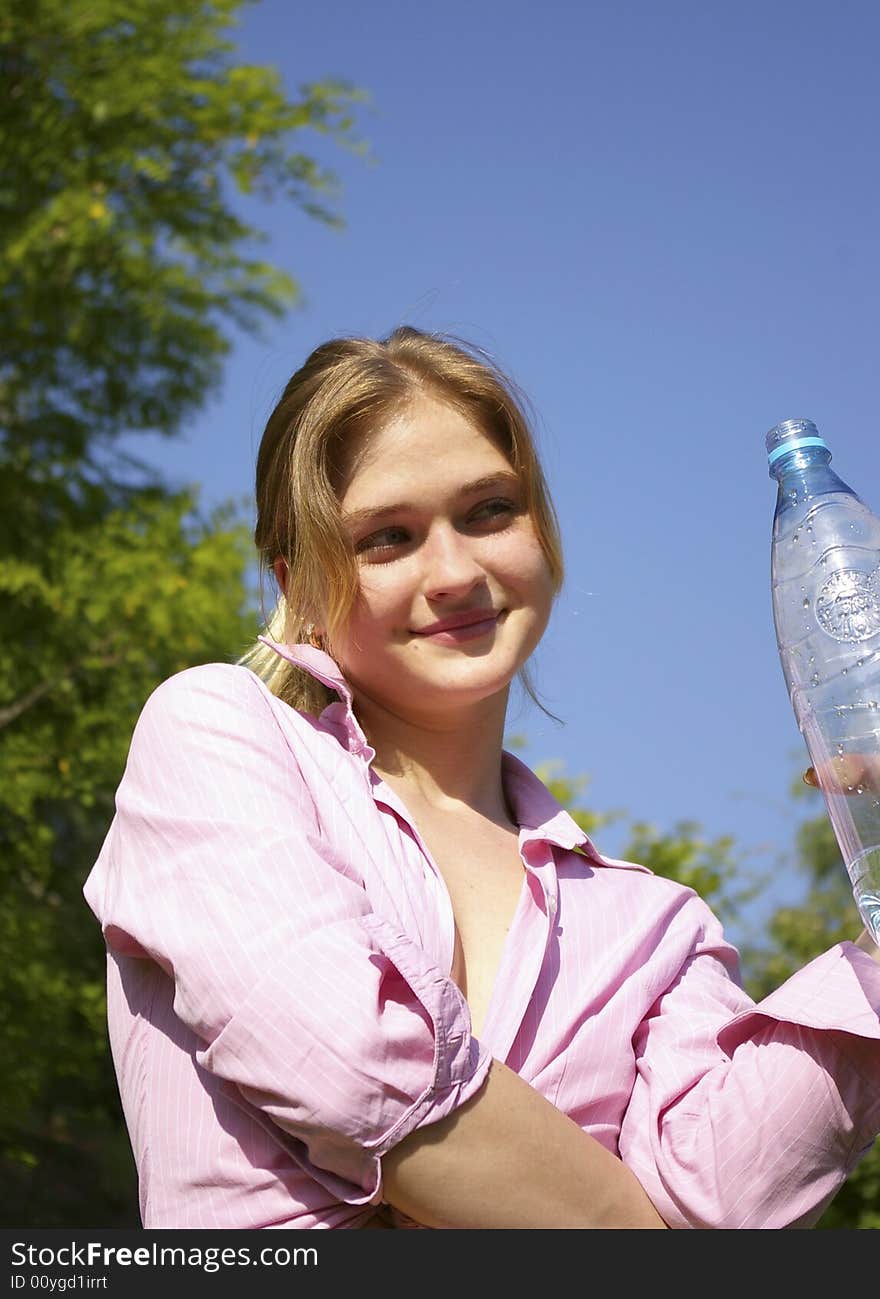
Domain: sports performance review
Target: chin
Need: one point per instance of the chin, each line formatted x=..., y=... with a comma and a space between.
x=471, y=679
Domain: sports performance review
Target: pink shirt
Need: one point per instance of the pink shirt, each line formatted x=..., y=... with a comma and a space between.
x=281, y=1012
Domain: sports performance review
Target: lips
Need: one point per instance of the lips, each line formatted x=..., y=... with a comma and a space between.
x=456, y=621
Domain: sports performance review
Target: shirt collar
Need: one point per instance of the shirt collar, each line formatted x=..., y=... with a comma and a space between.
x=540, y=816
x=340, y=716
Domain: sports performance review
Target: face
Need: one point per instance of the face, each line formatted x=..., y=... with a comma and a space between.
x=455, y=590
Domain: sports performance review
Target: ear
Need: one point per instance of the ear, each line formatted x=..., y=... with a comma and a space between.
x=280, y=569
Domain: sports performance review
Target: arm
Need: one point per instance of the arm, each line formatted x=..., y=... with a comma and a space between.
x=509, y=1159
x=233, y=863
x=745, y=1115
x=318, y=1013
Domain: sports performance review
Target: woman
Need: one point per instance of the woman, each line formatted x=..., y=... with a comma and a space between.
x=357, y=954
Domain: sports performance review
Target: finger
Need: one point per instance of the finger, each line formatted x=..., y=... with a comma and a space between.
x=850, y=773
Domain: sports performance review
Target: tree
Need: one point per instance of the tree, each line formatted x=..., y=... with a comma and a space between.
x=128, y=130
x=114, y=609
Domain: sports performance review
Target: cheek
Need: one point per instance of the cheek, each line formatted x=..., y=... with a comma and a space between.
x=530, y=570
x=379, y=599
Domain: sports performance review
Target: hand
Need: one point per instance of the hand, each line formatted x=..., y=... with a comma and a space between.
x=851, y=773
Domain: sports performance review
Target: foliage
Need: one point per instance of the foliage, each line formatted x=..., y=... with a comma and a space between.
x=129, y=132
x=115, y=608
x=126, y=130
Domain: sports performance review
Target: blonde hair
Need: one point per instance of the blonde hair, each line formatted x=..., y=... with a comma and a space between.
x=346, y=387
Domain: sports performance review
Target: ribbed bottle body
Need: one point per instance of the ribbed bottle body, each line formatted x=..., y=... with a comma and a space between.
x=825, y=583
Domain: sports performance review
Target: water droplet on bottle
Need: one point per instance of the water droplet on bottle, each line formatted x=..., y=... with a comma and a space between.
x=840, y=750
x=814, y=679
x=860, y=663
x=860, y=789
x=806, y=603
x=844, y=671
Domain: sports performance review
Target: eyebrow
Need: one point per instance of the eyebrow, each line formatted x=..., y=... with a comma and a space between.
x=355, y=518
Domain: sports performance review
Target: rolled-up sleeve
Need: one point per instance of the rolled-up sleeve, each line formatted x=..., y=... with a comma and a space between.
x=222, y=867
x=749, y=1115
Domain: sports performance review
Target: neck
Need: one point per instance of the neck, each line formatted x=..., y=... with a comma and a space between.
x=448, y=762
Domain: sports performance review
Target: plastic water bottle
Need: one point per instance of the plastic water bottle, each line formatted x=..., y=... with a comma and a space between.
x=825, y=583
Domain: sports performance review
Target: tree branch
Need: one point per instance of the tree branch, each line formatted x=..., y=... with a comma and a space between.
x=12, y=712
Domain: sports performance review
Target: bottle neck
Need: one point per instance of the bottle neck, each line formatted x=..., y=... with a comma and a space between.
x=804, y=471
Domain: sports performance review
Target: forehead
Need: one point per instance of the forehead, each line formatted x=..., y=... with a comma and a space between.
x=428, y=446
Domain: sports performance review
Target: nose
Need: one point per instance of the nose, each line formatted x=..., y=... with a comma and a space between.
x=451, y=565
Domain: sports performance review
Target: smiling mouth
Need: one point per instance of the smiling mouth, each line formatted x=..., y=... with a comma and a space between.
x=465, y=626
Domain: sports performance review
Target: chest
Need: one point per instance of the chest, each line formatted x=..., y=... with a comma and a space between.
x=484, y=876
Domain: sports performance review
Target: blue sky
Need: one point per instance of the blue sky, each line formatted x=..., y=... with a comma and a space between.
x=662, y=221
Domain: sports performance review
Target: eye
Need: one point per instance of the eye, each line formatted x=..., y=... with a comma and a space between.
x=498, y=510
x=382, y=544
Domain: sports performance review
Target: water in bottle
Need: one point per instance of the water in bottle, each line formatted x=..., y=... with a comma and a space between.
x=825, y=582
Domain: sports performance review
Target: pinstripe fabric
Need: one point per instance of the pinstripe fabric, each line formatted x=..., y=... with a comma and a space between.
x=280, y=1010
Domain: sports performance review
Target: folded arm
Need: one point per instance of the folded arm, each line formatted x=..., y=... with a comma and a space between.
x=750, y=1115
x=328, y=1020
